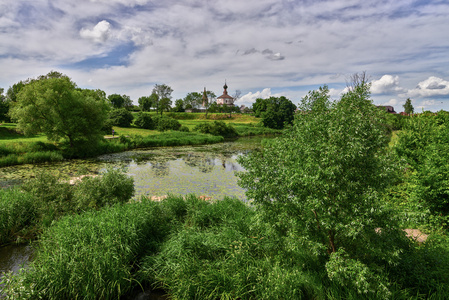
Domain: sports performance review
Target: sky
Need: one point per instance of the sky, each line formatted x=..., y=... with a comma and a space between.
x=262, y=48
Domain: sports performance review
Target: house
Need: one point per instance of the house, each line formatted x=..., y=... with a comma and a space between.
x=388, y=108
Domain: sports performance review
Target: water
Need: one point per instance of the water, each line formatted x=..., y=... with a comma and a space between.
x=202, y=170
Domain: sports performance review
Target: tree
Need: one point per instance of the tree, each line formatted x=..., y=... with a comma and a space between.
x=320, y=182
x=4, y=107
x=260, y=106
x=121, y=117
x=193, y=100
x=52, y=104
x=145, y=102
x=408, y=107
x=163, y=100
x=279, y=111
x=119, y=101
x=179, y=106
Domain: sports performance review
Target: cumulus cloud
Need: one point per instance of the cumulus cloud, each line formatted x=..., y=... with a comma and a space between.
x=100, y=33
x=431, y=87
x=386, y=84
x=391, y=102
x=251, y=97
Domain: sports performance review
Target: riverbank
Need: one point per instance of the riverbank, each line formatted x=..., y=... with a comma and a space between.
x=17, y=149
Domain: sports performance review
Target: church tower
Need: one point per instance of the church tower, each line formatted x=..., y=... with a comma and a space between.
x=225, y=99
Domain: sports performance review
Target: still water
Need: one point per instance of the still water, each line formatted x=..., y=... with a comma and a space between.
x=208, y=170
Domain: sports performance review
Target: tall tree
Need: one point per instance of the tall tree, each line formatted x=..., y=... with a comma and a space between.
x=4, y=106
x=320, y=182
x=120, y=101
x=279, y=111
x=52, y=104
x=163, y=93
x=193, y=100
x=146, y=102
x=408, y=107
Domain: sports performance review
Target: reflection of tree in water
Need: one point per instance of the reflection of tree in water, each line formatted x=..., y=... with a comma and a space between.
x=205, y=163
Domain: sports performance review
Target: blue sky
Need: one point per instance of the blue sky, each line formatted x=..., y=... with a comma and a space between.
x=261, y=47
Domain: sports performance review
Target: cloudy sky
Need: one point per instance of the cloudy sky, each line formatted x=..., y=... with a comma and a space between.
x=261, y=47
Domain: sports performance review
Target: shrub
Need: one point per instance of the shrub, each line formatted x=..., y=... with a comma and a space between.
x=144, y=120
x=108, y=189
x=216, y=128
x=166, y=123
x=121, y=117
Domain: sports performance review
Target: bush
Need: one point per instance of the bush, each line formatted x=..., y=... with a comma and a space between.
x=217, y=128
x=106, y=190
x=145, y=121
x=121, y=117
x=166, y=123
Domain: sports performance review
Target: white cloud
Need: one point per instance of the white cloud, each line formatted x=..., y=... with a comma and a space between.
x=386, y=84
x=100, y=32
x=431, y=87
x=391, y=102
x=251, y=97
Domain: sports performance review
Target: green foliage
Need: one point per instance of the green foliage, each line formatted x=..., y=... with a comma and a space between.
x=166, y=123
x=108, y=243
x=53, y=105
x=17, y=215
x=217, y=128
x=108, y=189
x=118, y=101
x=408, y=107
x=162, y=97
x=353, y=274
x=4, y=107
x=322, y=179
x=179, y=106
x=145, y=103
x=424, y=144
x=278, y=112
x=121, y=117
x=144, y=120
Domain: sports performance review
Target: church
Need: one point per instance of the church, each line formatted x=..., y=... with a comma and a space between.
x=225, y=99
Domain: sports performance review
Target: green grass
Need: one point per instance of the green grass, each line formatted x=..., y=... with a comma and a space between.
x=195, y=249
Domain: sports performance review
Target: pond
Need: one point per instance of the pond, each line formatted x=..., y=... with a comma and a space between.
x=208, y=170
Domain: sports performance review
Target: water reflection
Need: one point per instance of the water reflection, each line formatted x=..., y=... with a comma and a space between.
x=202, y=170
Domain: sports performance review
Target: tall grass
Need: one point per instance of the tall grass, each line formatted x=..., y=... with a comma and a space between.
x=26, y=210
x=17, y=215
x=195, y=249
x=93, y=255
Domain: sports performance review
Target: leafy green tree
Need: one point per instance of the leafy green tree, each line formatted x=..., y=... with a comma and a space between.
x=179, y=106
x=4, y=107
x=193, y=100
x=320, y=183
x=408, y=107
x=13, y=91
x=52, y=104
x=120, y=101
x=145, y=103
x=144, y=120
x=121, y=117
x=260, y=106
x=163, y=100
x=279, y=111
